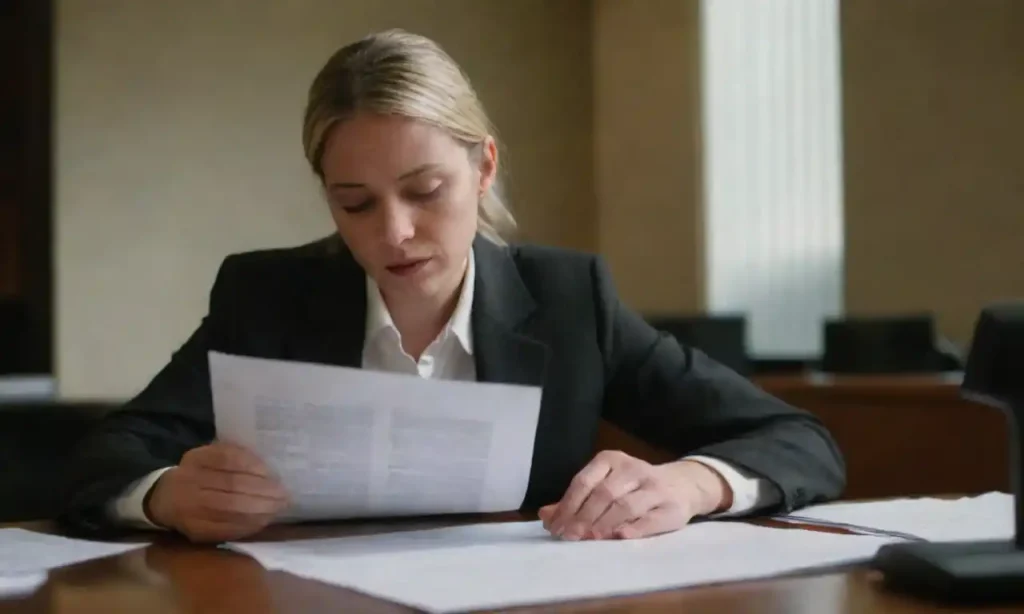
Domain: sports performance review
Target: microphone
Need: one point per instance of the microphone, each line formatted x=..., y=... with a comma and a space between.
x=981, y=571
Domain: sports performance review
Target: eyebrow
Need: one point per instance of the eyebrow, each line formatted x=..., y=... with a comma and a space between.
x=416, y=171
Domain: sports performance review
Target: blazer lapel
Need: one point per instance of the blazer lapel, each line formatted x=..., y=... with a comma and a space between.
x=334, y=320
x=505, y=351
x=333, y=323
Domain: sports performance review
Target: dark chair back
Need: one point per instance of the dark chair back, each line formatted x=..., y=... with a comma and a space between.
x=35, y=441
x=877, y=345
x=14, y=330
x=723, y=337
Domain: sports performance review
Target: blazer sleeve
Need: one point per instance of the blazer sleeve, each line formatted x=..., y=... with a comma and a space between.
x=678, y=398
x=171, y=415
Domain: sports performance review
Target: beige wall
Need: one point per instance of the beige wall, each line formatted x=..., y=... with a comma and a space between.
x=177, y=142
x=647, y=150
x=934, y=148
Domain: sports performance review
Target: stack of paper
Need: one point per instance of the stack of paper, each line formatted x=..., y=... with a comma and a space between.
x=986, y=517
x=28, y=555
x=500, y=565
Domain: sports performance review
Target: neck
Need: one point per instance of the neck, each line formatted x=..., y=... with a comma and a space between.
x=420, y=319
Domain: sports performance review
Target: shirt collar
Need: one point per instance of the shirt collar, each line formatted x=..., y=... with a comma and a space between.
x=460, y=324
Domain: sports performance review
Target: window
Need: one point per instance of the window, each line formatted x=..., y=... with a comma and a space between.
x=772, y=168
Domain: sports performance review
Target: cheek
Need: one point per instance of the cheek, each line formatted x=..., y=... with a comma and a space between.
x=456, y=227
x=344, y=224
x=462, y=212
x=355, y=237
x=448, y=228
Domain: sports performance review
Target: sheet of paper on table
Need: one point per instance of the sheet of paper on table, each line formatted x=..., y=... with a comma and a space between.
x=349, y=443
x=508, y=564
x=26, y=556
x=21, y=584
x=985, y=517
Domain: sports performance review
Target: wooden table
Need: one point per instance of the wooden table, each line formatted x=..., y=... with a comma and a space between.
x=171, y=576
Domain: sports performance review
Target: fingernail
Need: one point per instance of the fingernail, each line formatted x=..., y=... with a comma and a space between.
x=576, y=532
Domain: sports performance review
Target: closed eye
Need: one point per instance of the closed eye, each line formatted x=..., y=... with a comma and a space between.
x=425, y=196
x=359, y=207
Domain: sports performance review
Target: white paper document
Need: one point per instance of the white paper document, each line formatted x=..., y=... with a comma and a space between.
x=350, y=443
x=985, y=517
x=21, y=584
x=509, y=564
x=29, y=553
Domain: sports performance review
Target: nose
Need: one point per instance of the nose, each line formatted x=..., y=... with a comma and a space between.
x=398, y=224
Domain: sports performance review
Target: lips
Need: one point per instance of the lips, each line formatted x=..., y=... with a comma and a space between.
x=407, y=267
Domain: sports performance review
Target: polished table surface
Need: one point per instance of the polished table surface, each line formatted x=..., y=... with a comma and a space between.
x=172, y=576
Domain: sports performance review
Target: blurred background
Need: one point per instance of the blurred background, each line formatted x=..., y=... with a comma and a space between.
x=795, y=185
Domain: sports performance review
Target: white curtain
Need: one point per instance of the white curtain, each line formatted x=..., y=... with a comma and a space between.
x=772, y=168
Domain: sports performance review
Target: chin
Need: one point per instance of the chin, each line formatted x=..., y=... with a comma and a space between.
x=425, y=282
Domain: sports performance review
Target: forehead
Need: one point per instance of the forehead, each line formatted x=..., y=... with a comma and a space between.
x=371, y=147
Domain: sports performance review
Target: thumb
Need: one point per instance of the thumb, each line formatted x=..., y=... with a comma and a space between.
x=546, y=513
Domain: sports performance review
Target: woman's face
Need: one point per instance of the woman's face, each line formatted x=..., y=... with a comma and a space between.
x=404, y=197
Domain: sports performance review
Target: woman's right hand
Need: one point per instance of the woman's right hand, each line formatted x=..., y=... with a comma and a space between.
x=219, y=492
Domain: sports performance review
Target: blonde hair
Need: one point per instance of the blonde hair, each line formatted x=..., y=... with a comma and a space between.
x=398, y=73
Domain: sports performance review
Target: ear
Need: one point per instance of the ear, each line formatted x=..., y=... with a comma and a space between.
x=488, y=164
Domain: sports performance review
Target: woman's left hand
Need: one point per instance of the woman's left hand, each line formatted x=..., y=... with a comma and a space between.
x=619, y=496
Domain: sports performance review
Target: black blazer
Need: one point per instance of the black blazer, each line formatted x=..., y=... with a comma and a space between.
x=541, y=316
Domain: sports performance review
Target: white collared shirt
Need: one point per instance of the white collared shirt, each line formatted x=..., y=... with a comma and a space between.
x=450, y=357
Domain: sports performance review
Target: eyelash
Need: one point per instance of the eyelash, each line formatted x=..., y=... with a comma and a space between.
x=364, y=206
x=426, y=196
x=421, y=197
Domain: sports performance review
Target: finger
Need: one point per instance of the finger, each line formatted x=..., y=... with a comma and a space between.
x=224, y=456
x=234, y=505
x=241, y=483
x=239, y=519
x=578, y=491
x=626, y=509
x=214, y=531
x=228, y=456
x=252, y=522
x=618, y=484
x=546, y=513
x=655, y=522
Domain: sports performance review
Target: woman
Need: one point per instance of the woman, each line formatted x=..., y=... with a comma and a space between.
x=419, y=279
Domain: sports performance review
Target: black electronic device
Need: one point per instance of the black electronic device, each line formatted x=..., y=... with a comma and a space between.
x=983, y=571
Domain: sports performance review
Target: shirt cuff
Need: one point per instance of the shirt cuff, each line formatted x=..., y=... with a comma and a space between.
x=128, y=509
x=748, y=491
